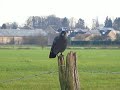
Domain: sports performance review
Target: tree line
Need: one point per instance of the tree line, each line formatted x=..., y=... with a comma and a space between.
x=115, y=24
x=37, y=22
x=42, y=22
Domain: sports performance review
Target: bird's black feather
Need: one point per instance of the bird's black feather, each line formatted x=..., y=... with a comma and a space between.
x=52, y=55
x=59, y=45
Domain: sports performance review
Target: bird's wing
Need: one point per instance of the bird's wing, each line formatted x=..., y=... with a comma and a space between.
x=54, y=45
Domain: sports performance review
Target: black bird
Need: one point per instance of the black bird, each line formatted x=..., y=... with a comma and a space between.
x=59, y=45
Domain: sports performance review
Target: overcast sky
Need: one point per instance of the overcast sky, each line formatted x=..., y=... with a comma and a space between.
x=19, y=10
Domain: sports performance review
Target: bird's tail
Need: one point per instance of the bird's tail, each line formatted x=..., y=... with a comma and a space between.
x=52, y=55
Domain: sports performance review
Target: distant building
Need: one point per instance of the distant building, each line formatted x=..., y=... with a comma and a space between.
x=86, y=35
x=109, y=33
x=16, y=36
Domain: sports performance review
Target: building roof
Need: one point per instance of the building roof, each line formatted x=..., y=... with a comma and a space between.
x=84, y=32
x=96, y=32
x=20, y=33
x=104, y=32
x=105, y=28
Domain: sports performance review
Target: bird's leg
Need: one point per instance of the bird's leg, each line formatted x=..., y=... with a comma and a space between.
x=57, y=55
x=61, y=54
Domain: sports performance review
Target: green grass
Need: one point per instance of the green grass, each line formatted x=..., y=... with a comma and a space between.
x=31, y=69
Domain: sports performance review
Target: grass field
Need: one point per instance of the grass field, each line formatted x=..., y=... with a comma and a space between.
x=31, y=69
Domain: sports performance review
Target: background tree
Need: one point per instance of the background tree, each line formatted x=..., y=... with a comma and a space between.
x=65, y=22
x=72, y=23
x=28, y=23
x=14, y=25
x=42, y=22
x=95, y=24
x=33, y=22
x=53, y=21
x=38, y=22
x=108, y=22
x=80, y=24
x=4, y=26
x=116, y=24
x=86, y=27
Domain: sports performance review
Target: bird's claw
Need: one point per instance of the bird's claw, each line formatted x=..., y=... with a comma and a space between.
x=61, y=54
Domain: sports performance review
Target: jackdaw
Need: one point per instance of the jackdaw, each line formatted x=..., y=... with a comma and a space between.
x=59, y=45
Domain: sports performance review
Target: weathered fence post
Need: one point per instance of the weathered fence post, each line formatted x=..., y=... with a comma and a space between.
x=68, y=74
x=61, y=69
x=72, y=77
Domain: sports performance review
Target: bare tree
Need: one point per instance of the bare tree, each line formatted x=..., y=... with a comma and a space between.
x=4, y=26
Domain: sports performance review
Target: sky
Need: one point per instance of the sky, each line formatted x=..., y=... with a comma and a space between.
x=20, y=10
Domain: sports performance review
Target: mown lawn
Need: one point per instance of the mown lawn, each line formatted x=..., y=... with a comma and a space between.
x=31, y=69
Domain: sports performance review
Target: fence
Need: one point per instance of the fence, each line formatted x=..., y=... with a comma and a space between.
x=82, y=43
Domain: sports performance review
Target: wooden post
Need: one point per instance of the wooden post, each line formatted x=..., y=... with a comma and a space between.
x=72, y=78
x=68, y=74
x=61, y=68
